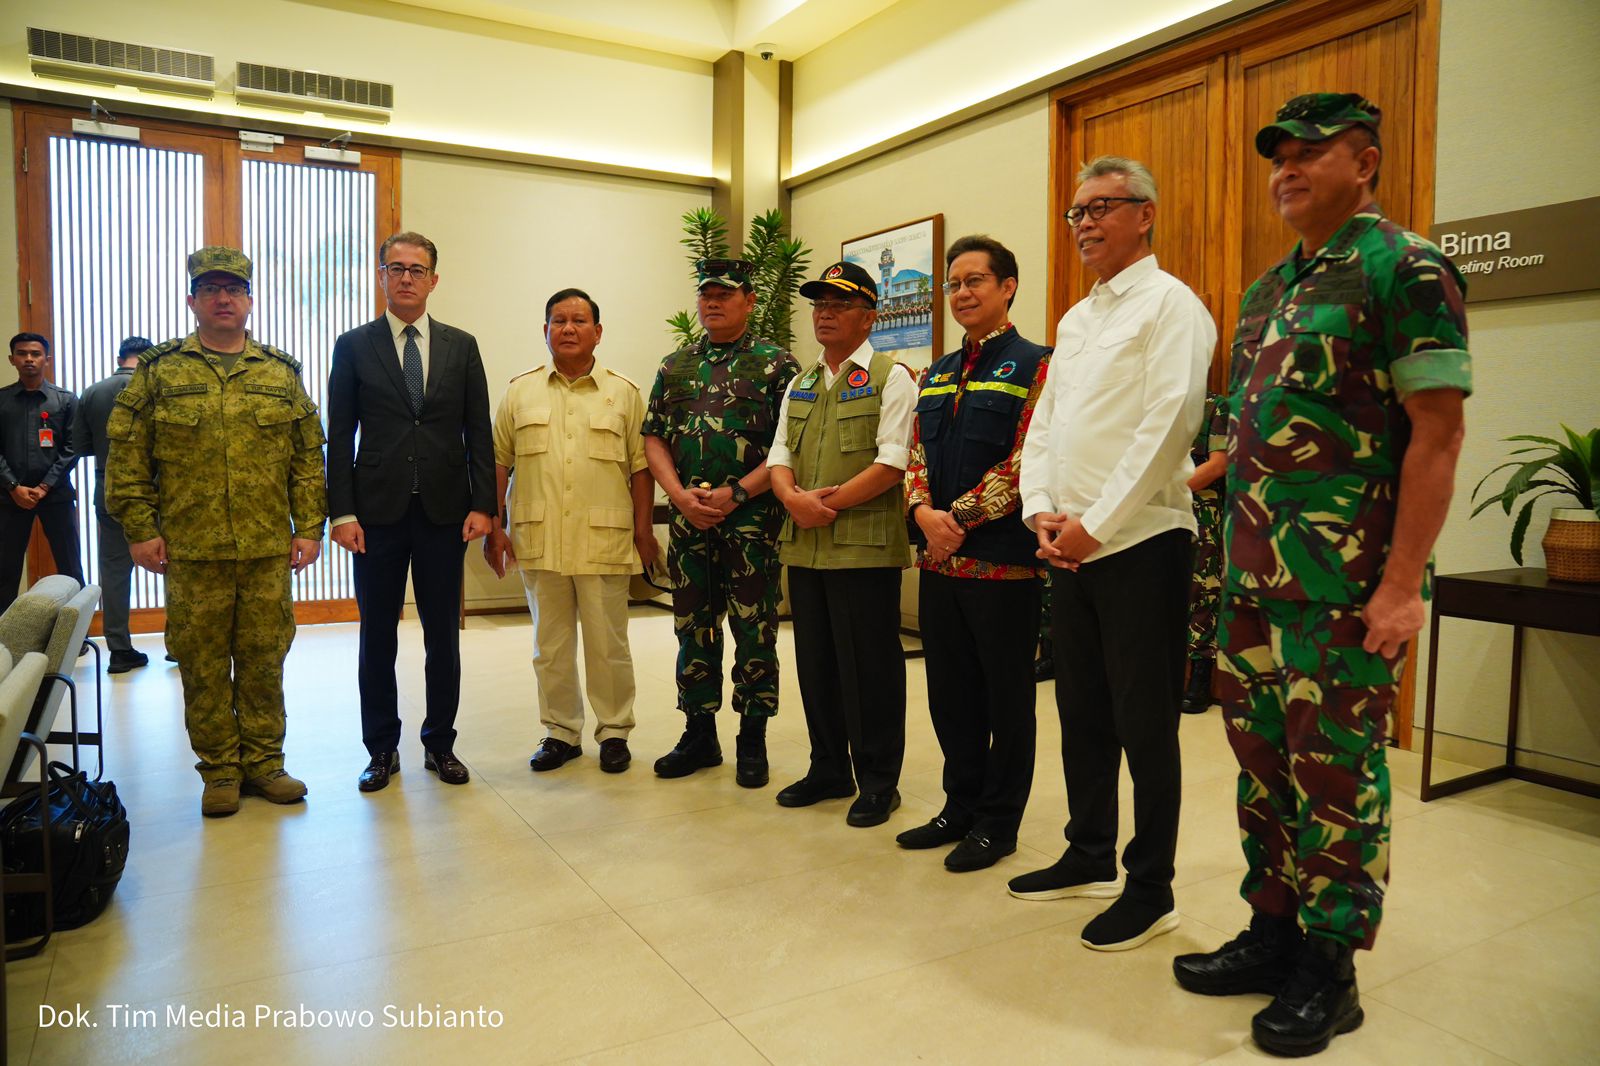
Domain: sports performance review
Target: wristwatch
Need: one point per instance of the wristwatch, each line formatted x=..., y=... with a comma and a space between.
x=740, y=496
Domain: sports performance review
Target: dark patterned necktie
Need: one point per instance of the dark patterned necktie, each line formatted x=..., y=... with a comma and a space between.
x=412, y=364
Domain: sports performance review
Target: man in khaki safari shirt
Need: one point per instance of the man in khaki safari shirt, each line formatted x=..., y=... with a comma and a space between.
x=576, y=524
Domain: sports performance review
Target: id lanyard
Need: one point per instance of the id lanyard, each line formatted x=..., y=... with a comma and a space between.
x=47, y=434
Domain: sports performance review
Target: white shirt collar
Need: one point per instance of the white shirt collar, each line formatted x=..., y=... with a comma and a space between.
x=861, y=357
x=1129, y=276
x=397, y=327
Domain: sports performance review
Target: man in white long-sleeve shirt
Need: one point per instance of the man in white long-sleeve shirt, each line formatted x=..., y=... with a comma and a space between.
x=1103, y=478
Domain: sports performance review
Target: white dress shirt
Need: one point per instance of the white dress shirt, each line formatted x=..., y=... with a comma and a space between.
x=894, y=413
x=1109, y=441
x=397, y=328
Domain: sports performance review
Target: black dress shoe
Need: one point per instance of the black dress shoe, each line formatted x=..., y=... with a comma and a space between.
x=809, y=790
x=614, y=755
x=378, y=771
x=872, y=808
x=552, y=754
x=123, y=661
x=936, y=834
x=977, y=852
x=451, y=770
x=1197, y=694
x=1318, y=1003
x=1260, y=959
x=697, y=749
x=1044, y=668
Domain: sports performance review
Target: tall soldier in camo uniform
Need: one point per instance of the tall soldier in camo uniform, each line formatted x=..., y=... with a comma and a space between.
x=709, y=424
x=1345, y=420
x=215, y=475
x=1210, y=457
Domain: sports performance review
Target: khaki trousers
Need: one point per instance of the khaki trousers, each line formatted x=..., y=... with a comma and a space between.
x=560, y=604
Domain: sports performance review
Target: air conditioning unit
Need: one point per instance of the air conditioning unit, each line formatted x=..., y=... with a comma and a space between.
x=79, y=58
x=308, y=90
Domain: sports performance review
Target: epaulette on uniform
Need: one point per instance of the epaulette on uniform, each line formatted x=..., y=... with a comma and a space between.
x=280, y=355
x=150, y=355
x=525, y=373
x=624, y=377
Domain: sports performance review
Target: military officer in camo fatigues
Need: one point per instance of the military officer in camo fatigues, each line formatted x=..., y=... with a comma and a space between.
x=215, y=475
x=712, y=413
x=1349, y=369
x=1210, y=457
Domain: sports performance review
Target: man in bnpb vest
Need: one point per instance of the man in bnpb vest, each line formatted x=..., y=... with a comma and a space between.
x=978, y=592
x=838, y=463
x=215, y=475
x=707, y=428
x=1350, y=366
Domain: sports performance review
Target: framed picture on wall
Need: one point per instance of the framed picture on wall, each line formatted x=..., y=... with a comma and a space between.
x=907, y=262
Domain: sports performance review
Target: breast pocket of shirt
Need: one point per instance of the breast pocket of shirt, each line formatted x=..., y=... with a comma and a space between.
x=533, y=431
x=1317, y=348
x=991, y=417
x=177, y=429
x=858, y=430
x=1111, y=361
x=606, y=441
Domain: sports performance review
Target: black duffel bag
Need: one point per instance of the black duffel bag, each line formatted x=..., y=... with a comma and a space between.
x=88, y=828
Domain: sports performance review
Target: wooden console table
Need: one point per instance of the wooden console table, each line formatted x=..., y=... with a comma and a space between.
x=1517, y=598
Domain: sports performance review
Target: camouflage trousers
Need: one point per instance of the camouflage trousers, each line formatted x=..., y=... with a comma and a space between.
x=229, y=625
x=1306, y=711
x=726, y=572
x=1205, y=592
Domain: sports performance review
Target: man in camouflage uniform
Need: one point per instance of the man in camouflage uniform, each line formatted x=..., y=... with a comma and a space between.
x=1345, y=421
x=1210, y=457
x=215, y=475
x=710, y=421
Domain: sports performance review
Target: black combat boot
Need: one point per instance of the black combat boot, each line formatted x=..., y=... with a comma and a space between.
x=697, y=748
x=750, y=768
x=1260, y=959
x=1197, y=697
x=1319, y=1002
x=1044, y=667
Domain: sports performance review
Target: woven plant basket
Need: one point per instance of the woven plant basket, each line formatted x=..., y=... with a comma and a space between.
x=1572, y=545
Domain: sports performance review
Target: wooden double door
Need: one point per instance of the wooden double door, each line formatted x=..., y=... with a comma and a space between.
x=1190, y=113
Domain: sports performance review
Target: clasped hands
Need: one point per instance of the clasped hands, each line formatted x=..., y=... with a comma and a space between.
x=1063, y=542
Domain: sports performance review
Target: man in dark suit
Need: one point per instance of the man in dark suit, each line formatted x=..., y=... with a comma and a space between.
x=420, y=488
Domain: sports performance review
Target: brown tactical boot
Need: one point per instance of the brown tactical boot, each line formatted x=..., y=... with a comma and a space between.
x=220, y=798
x=277, y=787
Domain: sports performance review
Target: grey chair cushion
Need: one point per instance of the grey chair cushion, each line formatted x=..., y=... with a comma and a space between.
x=58, y=587
x=28, y=622
x=17, y=693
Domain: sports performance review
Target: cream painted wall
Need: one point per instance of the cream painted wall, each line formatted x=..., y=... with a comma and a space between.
x=922, y=59
x=509, y=236
x=938, y=175
x=1536, y=362
x=457, y=80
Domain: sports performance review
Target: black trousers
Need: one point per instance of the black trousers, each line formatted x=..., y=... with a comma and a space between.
x=852, y=672
x=978, y=640
x=434, y=554
x=1120, y=632
x=59, y=518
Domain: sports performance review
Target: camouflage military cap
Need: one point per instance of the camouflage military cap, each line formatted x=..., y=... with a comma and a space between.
x=219, y=260
x=729, y=273
x=1316, y=117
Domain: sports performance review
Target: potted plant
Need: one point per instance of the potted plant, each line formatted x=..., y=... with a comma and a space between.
x=1547, y=467
x=780, y=265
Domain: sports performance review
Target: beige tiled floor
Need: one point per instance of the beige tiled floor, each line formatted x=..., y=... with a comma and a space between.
x=622, y=919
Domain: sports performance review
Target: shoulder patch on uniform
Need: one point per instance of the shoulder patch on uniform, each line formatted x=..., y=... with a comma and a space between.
x=150, y=355
x=622, y=376
x=280, y=355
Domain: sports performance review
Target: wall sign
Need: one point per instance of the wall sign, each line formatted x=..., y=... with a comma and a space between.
x=1525, y=253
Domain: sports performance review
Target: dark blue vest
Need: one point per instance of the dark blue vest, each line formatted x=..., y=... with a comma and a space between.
x=960, y=443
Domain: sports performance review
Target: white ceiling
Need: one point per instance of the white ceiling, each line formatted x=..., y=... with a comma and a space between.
x=698, y=29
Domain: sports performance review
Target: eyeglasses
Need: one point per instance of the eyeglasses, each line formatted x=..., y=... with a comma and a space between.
x=838, y=307
x=209, y=290
x=969, y=282
x=399, y=270
x=1097, y=208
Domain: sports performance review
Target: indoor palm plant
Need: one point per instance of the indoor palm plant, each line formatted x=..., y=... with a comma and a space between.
x=779, y=261
x=1548, y=467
